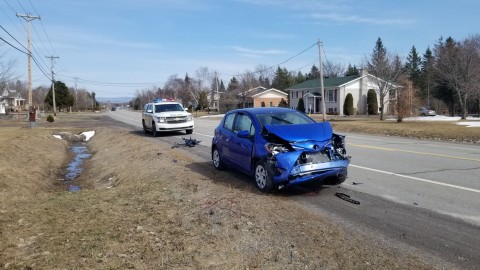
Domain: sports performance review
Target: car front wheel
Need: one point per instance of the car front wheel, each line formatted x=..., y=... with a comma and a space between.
x=154, y=130
x=144, y=126
x=217, y=160
x=263, y=177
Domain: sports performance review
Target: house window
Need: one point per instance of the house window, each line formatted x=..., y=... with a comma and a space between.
x=330, y=96
x=301, y=95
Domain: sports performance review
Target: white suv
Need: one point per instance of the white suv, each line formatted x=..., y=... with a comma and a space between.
x=163, y=116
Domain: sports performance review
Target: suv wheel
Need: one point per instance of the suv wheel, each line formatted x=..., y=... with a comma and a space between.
x=154, y=130
x=144, y=127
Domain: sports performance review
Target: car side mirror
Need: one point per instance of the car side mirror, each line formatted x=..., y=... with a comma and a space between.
x=243, y=134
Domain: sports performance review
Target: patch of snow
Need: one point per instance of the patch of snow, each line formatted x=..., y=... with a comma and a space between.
x=469, y=124
x=57, y=136
x=470, y=121
x=88, y=134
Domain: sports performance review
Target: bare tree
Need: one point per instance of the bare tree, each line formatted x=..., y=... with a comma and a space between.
x=333, y=70
x=7, y=71
x=386, y=69
x=458, y=64
x=406, y=101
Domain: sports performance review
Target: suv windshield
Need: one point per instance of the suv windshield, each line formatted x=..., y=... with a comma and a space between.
x=168, y=108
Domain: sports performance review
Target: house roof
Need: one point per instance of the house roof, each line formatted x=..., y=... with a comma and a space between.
x=257, y=91
x=327, y=82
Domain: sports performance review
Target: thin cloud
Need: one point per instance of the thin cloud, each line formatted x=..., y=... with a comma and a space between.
x=345, y=18
x=252, y=52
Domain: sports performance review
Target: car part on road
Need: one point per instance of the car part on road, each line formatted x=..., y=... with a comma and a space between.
x=188, y=142
x=346, y=197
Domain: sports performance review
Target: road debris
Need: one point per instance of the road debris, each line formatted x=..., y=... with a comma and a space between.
x=346, y=197
x=187, y=142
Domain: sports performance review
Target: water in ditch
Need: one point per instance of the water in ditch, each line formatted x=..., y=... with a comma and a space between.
x=75, y=167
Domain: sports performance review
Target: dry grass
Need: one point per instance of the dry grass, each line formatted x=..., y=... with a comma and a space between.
x=428, y=130
x=144, y=205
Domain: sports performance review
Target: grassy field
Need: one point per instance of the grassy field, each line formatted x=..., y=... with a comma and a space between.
x=144, y=205
x=428, y=130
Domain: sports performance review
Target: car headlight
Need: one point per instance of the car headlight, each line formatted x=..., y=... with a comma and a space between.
x=274, y=149
x=189, y=118
x=159, y=119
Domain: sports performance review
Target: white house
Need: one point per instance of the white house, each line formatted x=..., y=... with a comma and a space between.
x=336, y=89
x=10, y=100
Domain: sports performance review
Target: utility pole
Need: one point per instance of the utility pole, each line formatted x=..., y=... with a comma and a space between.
x=29, y=18
x=53, y=84
x=76, y=96
x=321, y=80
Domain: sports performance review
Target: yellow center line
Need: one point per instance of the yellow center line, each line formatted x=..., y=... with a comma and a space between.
x=412, y=152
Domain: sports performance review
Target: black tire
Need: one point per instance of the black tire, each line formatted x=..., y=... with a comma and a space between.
x=337, y=180
x=217, y=160
x=144, y=127
x=154, y=130
x=263, y=176
x=189, y=131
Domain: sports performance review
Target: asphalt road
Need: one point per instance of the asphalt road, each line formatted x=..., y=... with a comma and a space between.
x=418, y=195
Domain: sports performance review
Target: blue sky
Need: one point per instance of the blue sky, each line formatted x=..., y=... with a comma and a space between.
x=116, y=47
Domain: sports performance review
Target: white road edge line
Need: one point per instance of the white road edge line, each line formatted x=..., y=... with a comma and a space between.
x=417, y=179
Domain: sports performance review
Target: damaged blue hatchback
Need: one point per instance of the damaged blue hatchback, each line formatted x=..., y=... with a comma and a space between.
x=279, y=147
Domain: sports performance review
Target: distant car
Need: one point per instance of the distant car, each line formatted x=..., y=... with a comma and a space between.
x=424, y=111
x=163, y=115
x=279, y=147
x=114, y=109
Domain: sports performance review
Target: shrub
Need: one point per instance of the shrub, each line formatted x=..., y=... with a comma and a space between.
x=372, y=102
x=348, y=105
x=50, y=118
x=301, y=106
x=283, y=103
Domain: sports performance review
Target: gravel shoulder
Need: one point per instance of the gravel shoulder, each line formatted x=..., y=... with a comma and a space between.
x=146, y=205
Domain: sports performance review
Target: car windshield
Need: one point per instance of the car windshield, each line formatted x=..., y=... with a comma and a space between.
x=168, y=108
x=284, y=118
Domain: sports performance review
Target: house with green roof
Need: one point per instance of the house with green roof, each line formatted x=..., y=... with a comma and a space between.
x=335, y=91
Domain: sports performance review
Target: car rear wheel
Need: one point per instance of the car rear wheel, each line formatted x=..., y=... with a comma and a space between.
x=263, y=177
x=217, y=160
x=154, y=130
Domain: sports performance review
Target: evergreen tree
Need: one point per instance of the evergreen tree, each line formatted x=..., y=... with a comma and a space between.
x=282, y=79
x=372, y=102
x=301, y=105
x=348, y=105
x=63, y=97
x=233, y=84
x=202, y=101
x=413, y=67
x=352, y=71
x=314, y=73
x=283, y=103
x=427, y=76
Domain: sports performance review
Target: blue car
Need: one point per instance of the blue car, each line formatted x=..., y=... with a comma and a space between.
x=279, y=147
